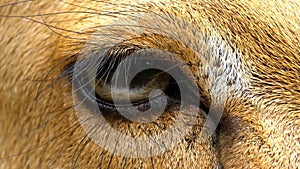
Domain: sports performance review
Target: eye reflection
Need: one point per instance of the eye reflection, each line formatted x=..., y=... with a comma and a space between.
x=139, y=89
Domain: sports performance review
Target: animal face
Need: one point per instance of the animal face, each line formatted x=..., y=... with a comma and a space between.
x=149, y=84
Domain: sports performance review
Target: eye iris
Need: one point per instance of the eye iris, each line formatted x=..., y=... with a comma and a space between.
x=139, y=89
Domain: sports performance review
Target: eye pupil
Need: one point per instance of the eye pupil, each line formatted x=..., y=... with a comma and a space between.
x=139, y=89
x=149, y=80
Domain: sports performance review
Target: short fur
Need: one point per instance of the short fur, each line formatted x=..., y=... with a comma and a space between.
x=252, y=47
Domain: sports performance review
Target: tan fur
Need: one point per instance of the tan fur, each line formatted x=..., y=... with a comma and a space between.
x=260, y=126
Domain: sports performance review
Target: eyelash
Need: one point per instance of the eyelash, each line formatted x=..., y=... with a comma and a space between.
x=106, y=64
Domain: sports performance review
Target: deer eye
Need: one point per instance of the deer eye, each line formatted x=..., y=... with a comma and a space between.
x=140, y=78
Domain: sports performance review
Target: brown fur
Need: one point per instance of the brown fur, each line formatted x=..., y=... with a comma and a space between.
x=260, y=126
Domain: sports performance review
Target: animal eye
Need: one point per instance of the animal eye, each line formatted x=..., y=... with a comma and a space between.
x=133, y=80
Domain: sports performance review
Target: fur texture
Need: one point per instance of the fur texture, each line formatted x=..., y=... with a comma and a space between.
x=250, y=46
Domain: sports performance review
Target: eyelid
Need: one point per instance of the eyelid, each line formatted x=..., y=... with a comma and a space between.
x=110, y=58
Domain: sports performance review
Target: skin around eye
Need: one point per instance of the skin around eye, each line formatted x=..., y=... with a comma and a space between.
x=139, y=89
